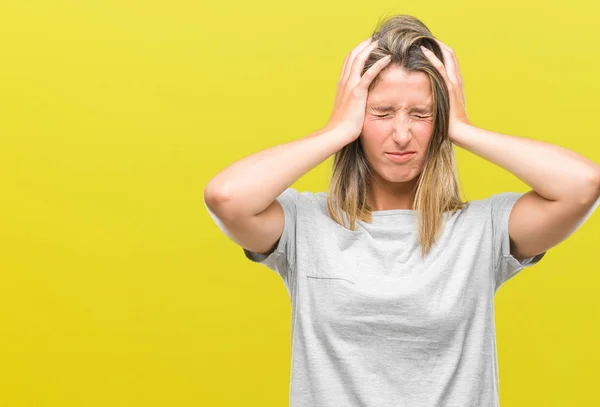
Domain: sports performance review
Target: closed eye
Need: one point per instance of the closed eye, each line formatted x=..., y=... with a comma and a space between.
x=420, y=117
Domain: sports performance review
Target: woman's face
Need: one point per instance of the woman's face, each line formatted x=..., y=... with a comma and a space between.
x=398, y=118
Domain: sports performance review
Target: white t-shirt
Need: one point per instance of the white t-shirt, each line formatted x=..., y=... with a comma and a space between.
x=373, y=324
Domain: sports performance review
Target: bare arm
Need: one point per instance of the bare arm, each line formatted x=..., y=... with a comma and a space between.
x=242, y=198
x=565, y=186
x=248, y=186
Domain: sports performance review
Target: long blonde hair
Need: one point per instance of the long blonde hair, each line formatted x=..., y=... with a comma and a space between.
x=437, y=188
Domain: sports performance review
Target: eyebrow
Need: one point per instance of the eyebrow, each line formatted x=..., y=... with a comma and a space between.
x=390, y=108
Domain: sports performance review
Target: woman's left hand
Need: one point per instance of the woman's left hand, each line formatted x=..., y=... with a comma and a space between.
x=451, y=74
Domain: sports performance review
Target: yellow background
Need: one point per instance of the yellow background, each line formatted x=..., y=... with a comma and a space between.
x=117, y=289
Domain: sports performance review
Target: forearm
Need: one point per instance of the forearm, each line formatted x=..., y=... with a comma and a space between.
x=554, y=172
x=251, y=184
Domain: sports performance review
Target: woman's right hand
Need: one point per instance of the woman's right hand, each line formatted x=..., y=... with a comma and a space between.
x=352, y=89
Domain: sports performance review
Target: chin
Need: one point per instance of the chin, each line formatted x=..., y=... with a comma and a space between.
x=399, y=175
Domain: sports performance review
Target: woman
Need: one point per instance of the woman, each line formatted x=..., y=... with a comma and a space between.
x=391, y=276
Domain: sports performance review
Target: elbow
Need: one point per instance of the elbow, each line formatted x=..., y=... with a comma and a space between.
x=213, y=194
x=595, y=180
x=219, y=203
x=214, y=200
x=593, y=188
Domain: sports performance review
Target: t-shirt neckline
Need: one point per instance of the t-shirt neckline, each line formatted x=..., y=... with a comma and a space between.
x=388, y=212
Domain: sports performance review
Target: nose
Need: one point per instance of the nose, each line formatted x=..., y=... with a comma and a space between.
x=401, y=130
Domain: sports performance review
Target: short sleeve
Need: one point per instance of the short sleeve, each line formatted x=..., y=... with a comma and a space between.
x=282, y=260
x=506, y=266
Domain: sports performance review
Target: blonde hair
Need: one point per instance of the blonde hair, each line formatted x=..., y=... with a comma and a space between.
x=437, y=189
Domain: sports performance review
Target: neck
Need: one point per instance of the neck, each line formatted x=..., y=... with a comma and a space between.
x=385, y=195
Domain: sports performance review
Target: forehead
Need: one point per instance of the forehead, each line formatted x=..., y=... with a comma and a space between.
x=396, y=86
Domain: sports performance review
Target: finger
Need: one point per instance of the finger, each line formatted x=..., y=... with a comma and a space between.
x=359, y=62
x=451, y=62
x=343, y=68
x=437, y=63
x=448, y=63
x=350, y=58
x=373, y=71
x=346, y=69
x=442, y=69
x=340, y=82
x=450, y=55
x=454, y=58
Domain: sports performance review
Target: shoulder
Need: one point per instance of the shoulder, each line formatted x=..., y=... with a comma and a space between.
x=304, y=196
x=499, y=201
x=303, y=201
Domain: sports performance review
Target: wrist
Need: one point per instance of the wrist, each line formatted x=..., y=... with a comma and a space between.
x=456, y=131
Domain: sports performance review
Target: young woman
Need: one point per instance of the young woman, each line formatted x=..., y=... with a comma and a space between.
x=391, y=275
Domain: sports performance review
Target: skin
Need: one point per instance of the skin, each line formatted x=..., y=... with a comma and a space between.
x=403, y=129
